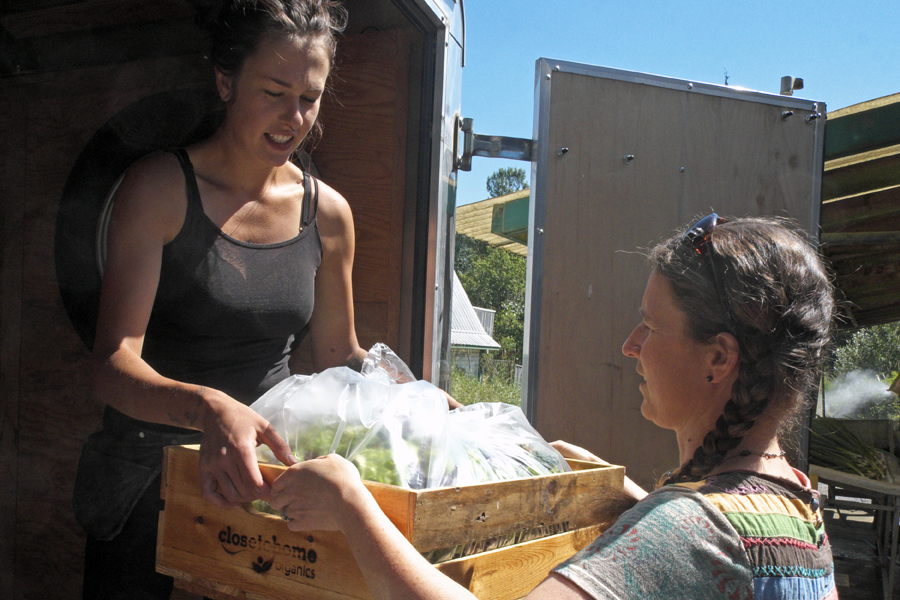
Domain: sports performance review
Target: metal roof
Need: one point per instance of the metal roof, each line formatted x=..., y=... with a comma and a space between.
x=466, y=330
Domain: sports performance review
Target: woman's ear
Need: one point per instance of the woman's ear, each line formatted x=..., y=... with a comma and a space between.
x=224, y=84
x=725, y=357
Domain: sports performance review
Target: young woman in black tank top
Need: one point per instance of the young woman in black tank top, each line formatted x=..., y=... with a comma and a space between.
x=214, y=263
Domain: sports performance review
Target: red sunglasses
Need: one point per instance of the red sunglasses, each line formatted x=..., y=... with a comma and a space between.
x=697, y=238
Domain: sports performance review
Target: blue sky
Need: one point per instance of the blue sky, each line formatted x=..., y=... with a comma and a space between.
x=846, y=53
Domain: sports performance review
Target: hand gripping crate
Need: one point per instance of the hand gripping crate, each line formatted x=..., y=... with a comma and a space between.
x=230, y=554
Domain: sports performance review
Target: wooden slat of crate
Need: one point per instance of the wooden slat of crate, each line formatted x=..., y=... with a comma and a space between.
x=451, y=516
x=445, y=517
x=181, y=473
x=233, y=553
x=512, y=572
x=252, y=555
x=503, y=574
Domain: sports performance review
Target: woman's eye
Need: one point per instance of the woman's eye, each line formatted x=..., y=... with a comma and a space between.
x=308, y=100
x=273, y=94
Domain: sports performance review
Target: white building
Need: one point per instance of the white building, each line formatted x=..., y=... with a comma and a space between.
x=470, y=332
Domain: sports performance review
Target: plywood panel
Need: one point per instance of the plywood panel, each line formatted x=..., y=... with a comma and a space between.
x=46, y=413
x=56, y=414
x=362, y=156
x=12, y=191
x=692, y=153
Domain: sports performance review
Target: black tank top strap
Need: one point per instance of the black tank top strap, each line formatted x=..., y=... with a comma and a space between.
x=310, y=197
x=188, y=169
x=310, y=187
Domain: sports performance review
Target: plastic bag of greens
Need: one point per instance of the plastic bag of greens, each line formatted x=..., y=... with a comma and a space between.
x=493, y=441
x=399, y=431
x=387, y=430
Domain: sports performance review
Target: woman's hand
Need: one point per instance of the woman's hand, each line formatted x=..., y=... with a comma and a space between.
x=314, y=493
x=229, y=471
x=578, y=453
x=572, y=451
x=452, y=402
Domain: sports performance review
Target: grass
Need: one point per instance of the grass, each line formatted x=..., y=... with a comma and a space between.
x=469, y=390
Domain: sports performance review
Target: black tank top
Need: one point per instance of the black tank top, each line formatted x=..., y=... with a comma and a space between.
x=227, y=312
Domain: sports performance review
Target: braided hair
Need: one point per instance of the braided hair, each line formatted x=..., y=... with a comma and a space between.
x=778, y=303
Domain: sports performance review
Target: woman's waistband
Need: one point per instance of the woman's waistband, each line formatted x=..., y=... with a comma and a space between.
x=121, y=425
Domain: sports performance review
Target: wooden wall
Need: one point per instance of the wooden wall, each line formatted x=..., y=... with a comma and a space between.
x=45, y=121
x=362, y=156
x=46, y=412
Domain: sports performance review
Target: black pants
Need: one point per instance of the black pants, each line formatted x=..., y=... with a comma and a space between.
x=124, y=568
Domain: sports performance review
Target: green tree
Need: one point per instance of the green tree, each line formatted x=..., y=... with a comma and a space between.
x=468, y=252
x=495, y=279
x=873, y=348
x=506, y=181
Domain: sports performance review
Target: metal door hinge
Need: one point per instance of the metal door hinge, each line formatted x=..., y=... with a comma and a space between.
x=469, y=144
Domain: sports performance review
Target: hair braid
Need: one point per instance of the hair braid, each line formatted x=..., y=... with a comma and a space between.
x=781, y=300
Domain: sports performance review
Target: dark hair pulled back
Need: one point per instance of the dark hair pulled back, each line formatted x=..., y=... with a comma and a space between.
x=238, y=27
x=781, y=299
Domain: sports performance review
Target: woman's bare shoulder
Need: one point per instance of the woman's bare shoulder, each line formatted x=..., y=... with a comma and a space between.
x=158, y=169
x=153, y=193
x=333, y=212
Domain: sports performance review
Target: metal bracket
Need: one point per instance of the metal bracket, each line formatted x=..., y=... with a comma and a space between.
x=469, y=144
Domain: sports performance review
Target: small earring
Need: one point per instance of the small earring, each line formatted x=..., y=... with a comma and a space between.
x=709, y=378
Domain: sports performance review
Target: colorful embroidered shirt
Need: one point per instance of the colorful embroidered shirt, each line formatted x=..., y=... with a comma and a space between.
x=737, y=536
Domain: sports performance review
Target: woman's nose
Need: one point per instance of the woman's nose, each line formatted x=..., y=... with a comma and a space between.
x=632, y=346
x=293, y=115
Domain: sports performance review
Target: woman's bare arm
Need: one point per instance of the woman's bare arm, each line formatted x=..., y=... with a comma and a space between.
x=332, y=328
x=326, y=494
x=149, y=211
x=572, y=451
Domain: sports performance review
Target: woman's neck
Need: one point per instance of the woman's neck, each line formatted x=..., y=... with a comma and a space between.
x=234, y=170
x=758, y=451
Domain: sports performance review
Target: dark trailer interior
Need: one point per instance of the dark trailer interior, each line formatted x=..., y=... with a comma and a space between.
x=86, y=88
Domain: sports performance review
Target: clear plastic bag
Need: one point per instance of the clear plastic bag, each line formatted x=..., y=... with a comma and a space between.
x=493, y=441
x=403, y=434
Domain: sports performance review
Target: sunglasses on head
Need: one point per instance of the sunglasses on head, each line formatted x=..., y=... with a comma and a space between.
x=698, y=239
x=700, y=232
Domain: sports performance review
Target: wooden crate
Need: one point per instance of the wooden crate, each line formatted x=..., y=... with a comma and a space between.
x=234, y=553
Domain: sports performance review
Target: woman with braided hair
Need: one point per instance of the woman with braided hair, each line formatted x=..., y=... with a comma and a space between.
x=736, y=318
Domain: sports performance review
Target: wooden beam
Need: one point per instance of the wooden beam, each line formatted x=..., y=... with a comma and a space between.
x=474, y=220
x=868, y=210
x=510, y=220
x=867, y=238
x=873, y=293
x=880, y=316
x=863, y=127
x=864, y=259
x=861, y=173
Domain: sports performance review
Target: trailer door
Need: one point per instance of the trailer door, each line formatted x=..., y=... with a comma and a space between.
x=621, y=159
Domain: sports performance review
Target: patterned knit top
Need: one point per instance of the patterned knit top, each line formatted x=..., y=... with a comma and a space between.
x=781, y=531
x=736, y=536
